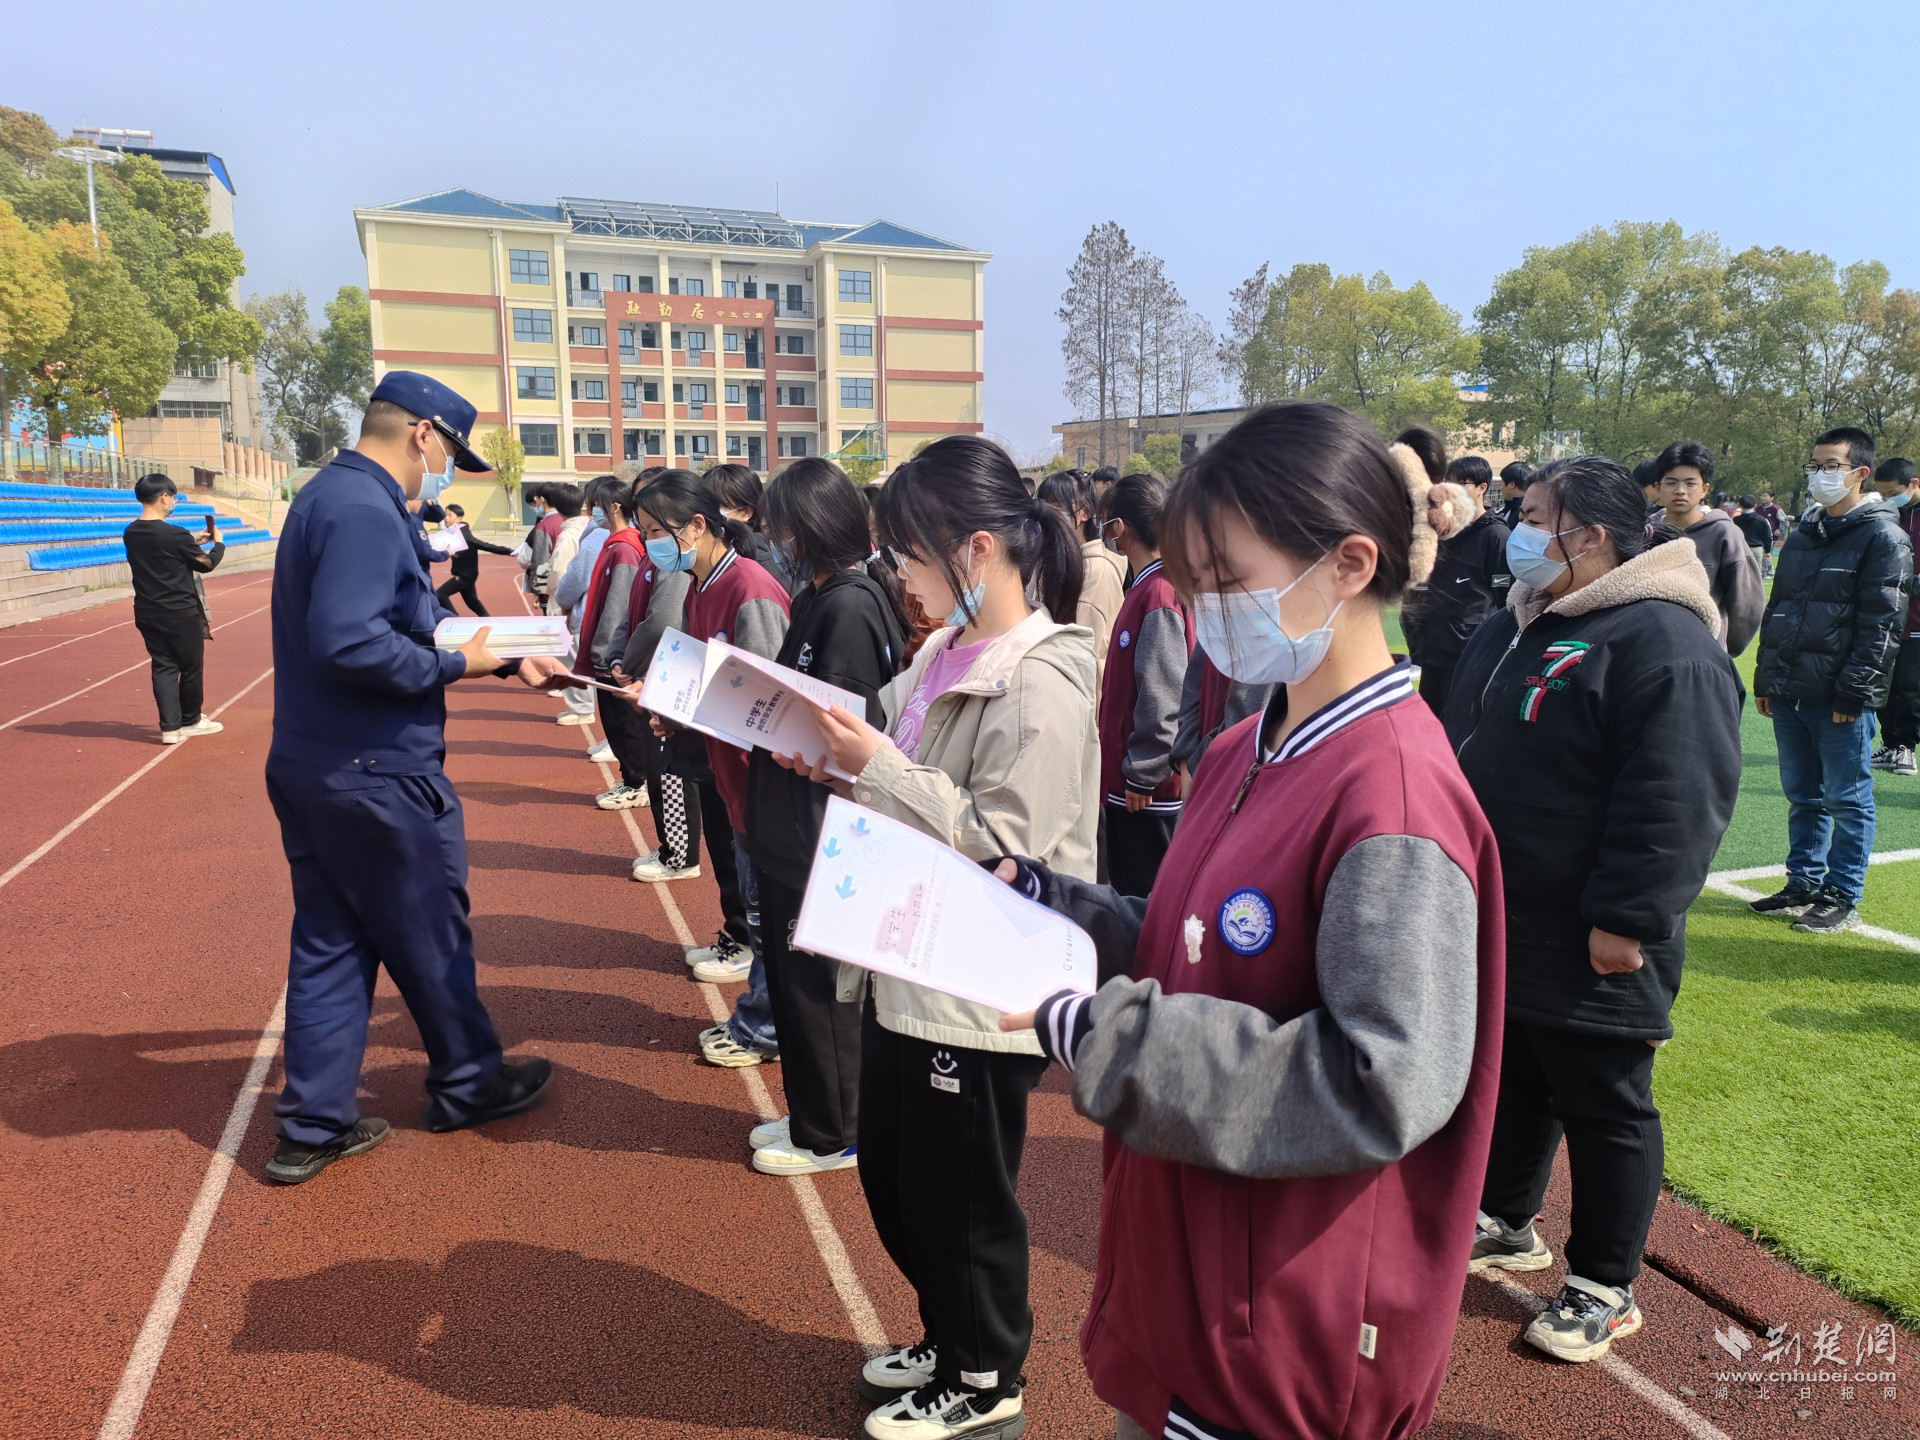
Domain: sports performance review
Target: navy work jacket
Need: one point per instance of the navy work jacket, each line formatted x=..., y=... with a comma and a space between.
x=357, y=683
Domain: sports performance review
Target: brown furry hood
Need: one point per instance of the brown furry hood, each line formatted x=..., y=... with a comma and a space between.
x=1426, y=544
x=1666, y=572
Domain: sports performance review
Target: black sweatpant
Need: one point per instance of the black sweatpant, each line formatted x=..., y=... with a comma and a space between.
x=467, y=587
x=178, y=649
x=1436, y=684
x=628, y=734
x=1598, y=1091
x=819, y=1035
x=1900, y=718
x=1136, y=844
x=941, y=1131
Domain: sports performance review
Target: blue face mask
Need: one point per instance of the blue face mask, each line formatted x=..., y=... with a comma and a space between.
x=962, y=613
x=667, y=556
x=783, y=557
x=1242, y=636
x=599, y=516
x=433, y=482
x=1527, y=555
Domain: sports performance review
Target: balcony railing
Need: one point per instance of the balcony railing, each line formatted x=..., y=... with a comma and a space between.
x=586, y=299
x=787, y=308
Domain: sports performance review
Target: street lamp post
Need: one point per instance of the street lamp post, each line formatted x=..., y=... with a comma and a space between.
x=89, y=155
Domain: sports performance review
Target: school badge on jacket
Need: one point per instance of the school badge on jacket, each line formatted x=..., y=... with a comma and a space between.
x=1246, y=921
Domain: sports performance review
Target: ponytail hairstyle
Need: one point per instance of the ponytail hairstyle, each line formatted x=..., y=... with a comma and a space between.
x=1070, y=491
x=822, y=516
x=674, y=497
x=610, y=491
x=962, y=484
x=1138, y=499
x=1593, y=490
x=1304, y=475
x=739, y=489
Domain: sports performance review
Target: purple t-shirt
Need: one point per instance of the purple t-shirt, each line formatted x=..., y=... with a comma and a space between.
x=943, y=672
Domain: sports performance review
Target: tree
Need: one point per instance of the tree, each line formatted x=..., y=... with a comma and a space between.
x=346, y=347
x=312, y=383
x=34, y=311
x=1159, y=453
x=1396, y=356
x=1093, y=309
x=502, y=450
x=1247, y=307
x=27, y=138
x=1286, y=351
x=113, y=357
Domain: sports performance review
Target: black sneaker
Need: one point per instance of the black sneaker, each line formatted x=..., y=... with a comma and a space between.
x=293, y=1163
x=513, y=1088
x=1829, y=914
x=946, y=1412
x=1881, y=759
x=1495, y=1247
x=1584, y=1320
x=1794, y=898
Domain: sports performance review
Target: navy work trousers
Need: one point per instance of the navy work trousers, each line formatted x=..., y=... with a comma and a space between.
x=379, y=866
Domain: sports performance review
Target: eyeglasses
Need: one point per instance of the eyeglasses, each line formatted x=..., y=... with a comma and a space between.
x=1831, y=467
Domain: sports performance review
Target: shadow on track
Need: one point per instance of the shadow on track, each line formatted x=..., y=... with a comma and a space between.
x=506, y=792
x=545, y=859
x=514, y=750
x=75, y=1084
x=98, y=730
x=524, y=1327
x=507, y=941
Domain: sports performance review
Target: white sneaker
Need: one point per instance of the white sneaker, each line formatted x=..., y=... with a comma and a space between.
x=718, y=1047
x=887, y=1377
x=622, y=797
x=650, y=867
x=573, y=717
x=601, y=751
x=774, y=1132
x=727, y=965
x=202, y=726
x=171, y=737
x=723, y=945
x=941, y=1412
x=787, y=1158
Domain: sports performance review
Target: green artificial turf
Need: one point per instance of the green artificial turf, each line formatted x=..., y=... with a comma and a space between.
x=1791, y=1089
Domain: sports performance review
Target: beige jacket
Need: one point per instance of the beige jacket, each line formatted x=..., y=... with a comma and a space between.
x=565, y=547
x=1100, y=597
x=1008, y=764
x=1666, y=572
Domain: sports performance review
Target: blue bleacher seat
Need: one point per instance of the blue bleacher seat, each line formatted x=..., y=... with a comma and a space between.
x=76, y=557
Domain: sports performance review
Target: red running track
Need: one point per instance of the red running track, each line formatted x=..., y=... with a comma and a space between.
x=606, y=1265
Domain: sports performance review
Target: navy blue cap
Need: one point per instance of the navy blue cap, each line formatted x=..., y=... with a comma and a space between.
x=425, y=397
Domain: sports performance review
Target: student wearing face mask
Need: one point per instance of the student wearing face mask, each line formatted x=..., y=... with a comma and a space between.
x=735, y=600
x=1293, y=1052
x=743, y=499
x=1827, y=650
x=372, y=828
x=611, y=605
x=1597, y=718
x=991, y=748
x=1140, y=692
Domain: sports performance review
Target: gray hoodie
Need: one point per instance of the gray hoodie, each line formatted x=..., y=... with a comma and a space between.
x=1732, y=578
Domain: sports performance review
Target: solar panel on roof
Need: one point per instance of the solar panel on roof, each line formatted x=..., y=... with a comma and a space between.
x=695, y=223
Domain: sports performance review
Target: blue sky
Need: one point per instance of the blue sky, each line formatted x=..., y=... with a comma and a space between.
x=1432, y=141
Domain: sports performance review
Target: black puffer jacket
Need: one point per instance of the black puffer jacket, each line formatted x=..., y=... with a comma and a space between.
x=1832, y=628
x=1603, y=742
x=844, y=632
x=1469, y=582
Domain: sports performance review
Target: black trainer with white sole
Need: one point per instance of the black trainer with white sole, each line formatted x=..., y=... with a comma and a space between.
x=514, y=1088
x=946, y=1412
x=1829, y=914
x=294, y=1163
x=1497, y=1247
x=888, y=1376
x=1793, y=899
x=1584, y=1320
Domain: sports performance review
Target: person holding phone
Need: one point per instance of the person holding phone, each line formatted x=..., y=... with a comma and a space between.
x=170, y=605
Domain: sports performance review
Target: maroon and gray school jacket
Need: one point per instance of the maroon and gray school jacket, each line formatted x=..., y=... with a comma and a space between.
x=742, y=604
x=1140, y=693
x=1296, y=1079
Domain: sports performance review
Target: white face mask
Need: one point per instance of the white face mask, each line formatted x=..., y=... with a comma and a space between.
x=1241, y=634
x=1828, y=487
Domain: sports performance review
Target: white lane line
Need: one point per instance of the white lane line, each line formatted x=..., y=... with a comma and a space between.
x=123, y=1416
x=137, y=665
x=117, y=791
x=865, y=1320
x=1762, y=872
x=1671, y=1406
x=1724, y=886
x=119, y=625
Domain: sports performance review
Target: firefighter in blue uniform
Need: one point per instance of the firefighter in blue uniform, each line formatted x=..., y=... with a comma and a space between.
x=371, y=826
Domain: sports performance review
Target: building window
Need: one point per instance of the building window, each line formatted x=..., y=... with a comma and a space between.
x=856, y=340
x=630, y=445
x=653, y=442
x=796, y=395
x=626, y=341
x=679, y=393
x=675, y=338
x=624, y=282
x=856, y=392
x=533, y=327
x=696, y=394
x=589, y=280
x=794, y=301
x=630, y=395
x=527, y=267
x=696, y=287
x=729, y=290
x=540, y=439
x=533, y=382
x=590, y=442
x=650, y=394
x=733, y=394
x=192, y=410
x=679, y=444
x=796, y=344
x=649, y=338
x=857, y=285
x=752, y=290
x=673, y=288
x=793, y=445
x=733, y=446
x=754, y=412
x=696, y=343
x=590, y=336
x=702, y=444
x=643, y=284
x=589, y=389
x=198, y=370
x=730, y=342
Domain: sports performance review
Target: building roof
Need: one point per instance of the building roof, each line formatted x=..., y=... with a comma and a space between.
x=193, y=161
x=695, y=224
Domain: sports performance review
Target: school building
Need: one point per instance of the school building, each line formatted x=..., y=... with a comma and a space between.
x=602, y=331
